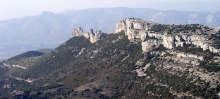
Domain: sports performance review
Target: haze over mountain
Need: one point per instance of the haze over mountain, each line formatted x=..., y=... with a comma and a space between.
x=48, y=30
x=10, y=9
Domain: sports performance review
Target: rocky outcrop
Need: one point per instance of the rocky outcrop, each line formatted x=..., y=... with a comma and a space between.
x=94, y=37
x=148, y=45
x=133, y=28
x=141, y=30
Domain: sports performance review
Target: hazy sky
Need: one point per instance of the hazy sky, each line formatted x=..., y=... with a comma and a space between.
x=20, y=8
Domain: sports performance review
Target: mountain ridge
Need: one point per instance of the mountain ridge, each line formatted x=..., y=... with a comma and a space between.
x=120, y=66
x=46, y=27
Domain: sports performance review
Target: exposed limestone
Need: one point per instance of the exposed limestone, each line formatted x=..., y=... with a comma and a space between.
x=184, y=55
x=168, y=42
x=178, y=63
x=80, y=52
x=149, y=45
x=141, y=71
x=18, y=66
x=140, y=30
x=134, y=28
x=140, y=62
x=94, y=37
x=185, y=58
x=29, y=80
x=119, y=37
x=15, y=66
x=79, y=32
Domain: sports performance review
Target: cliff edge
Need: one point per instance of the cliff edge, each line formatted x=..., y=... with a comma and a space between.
x=170, y=36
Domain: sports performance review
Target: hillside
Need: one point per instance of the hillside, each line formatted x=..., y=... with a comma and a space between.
x=50, y=29
x=140, y=60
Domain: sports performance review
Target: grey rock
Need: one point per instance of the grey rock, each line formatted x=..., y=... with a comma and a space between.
x=94, y=37
x=138, y=30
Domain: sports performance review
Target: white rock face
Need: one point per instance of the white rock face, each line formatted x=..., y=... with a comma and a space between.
x=179, y=41
x=134, y=28
x=94, y=37
x=168, y=42
x=79, y=32
x=149, y=44
x=139, y=30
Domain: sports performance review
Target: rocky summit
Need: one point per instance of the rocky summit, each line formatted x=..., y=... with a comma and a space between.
x=94, y=37
x=139, y=60
x=169, y=36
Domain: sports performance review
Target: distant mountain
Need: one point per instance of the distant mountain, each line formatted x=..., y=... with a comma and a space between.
x=48, y=30
x=140, y=60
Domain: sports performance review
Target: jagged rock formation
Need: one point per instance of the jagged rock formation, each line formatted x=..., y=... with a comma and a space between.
x=171, y=35
x=94, y=37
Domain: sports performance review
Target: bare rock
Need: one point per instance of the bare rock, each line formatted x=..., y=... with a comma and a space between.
x=93, y=37
x=139, y=30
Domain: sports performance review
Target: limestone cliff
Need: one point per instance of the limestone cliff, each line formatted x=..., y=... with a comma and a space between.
x=152, y=34
x=94, y=37
x=169, y=36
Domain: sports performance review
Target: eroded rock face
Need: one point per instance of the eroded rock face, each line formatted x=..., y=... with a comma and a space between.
x=77, y=31
x=168, y=42
x=134, y=28
x=149, y=45
x=140, y=30
x=94, y=37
